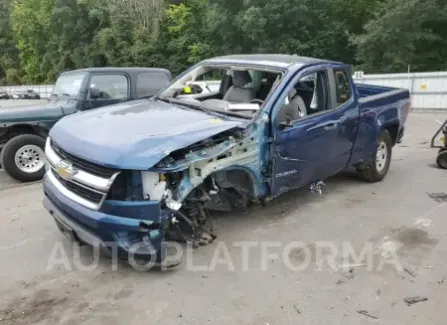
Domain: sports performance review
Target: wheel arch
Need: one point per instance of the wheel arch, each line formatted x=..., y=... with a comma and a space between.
x=8, y=132
x=393, y=130
x=238, y=177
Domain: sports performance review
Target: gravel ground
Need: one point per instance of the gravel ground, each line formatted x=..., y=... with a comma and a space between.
x=400, y=224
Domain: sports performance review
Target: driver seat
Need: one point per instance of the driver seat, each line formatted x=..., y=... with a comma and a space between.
x=294, y=110
x=238, y=93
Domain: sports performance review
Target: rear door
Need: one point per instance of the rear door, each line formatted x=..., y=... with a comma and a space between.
x=112, y=88
x=314, y=146
x=347, y=112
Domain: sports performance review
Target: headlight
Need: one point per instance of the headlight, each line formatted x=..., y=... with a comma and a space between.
x=153, y=185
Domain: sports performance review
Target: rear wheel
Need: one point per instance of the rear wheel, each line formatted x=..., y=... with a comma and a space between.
x=377, y=170
x=23, y=158
x=441, y=160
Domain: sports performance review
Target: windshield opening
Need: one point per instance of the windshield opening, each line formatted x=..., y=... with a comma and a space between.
x=233, y=90
x=68, y=85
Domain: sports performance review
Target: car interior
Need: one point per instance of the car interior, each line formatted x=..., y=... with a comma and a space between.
x=236, y=86
x=307, y=97
x=247, y=90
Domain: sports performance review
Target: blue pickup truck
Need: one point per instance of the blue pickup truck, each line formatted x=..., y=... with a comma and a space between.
x=139, y=173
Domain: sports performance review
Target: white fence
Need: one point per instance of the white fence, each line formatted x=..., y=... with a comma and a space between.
x=43, y=90
x=428, y=89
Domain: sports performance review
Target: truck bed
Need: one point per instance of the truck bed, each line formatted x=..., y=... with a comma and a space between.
x=366, y=90
x=381, y=97
x=379, y=105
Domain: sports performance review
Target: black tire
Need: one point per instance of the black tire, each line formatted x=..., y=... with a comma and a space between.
x=8, y=157
x=441, y=159
x=372, y=173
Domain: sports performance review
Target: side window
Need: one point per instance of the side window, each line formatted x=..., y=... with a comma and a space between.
x=342, y=86
x=150, y=83
x=308, y=96
x=109, y=86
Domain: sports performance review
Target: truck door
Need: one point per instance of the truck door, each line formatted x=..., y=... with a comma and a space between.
x=306, y=130
x=107, y=89
x=347, y=111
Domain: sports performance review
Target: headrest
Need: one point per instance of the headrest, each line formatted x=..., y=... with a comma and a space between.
x=241, y=78
x=292, y=93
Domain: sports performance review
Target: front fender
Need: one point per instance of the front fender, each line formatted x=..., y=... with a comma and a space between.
x=7, y=130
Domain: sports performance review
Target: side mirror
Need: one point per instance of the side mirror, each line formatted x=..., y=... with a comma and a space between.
x=95, y=93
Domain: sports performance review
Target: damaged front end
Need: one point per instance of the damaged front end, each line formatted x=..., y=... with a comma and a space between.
x=172, y=200
x=219, y=173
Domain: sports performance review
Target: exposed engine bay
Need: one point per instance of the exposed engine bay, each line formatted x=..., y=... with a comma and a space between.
x=201, y=178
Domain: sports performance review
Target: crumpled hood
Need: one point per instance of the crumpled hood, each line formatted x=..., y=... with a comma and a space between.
x=47, y=111
x=136, y=135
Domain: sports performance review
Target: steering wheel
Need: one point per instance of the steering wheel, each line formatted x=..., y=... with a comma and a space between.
x=257, y=101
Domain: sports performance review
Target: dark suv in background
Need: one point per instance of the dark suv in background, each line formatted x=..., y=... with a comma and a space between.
x=23, y=129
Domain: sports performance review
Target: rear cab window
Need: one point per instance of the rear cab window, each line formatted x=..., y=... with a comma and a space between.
x=150, y=83
x=343, y=86
x=111, y=86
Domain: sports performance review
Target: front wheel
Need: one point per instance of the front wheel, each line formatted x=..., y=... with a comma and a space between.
x=377, y=170
x=23, y=158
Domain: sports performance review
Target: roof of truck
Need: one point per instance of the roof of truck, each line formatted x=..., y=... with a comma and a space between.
x=118, y=69
x=280, y=60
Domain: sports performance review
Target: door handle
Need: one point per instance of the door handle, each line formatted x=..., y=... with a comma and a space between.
x=330, y=126
x=323, y=127
x=282, y=153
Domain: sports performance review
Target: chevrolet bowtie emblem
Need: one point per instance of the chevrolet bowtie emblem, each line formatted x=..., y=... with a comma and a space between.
x=66, y=170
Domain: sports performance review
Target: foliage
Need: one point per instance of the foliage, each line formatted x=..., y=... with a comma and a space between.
x=41, y=38
x=405, y=32
x=9, y=54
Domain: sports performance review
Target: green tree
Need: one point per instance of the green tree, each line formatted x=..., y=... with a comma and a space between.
x=402, y=33
x=9, y=54
x=54, y=36
x=41, y=38
x=304, y=27
x=188, y=39
x=71, y=33
x=31, y=25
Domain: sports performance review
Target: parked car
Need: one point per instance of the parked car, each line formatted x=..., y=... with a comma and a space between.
x=134, y=174
x=23, y=129
x=4, y=94
x=31, y=94
x=18, y=94
x=25, y=94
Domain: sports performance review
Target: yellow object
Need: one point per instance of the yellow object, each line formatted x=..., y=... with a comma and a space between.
x=216, y=121
x=162, y=177
x=443, y=141
x=424, y=86
x=187, y=90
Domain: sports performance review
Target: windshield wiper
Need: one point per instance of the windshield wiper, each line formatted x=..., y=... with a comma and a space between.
x=165, y=99
x=177, y=103
x=194, y=106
